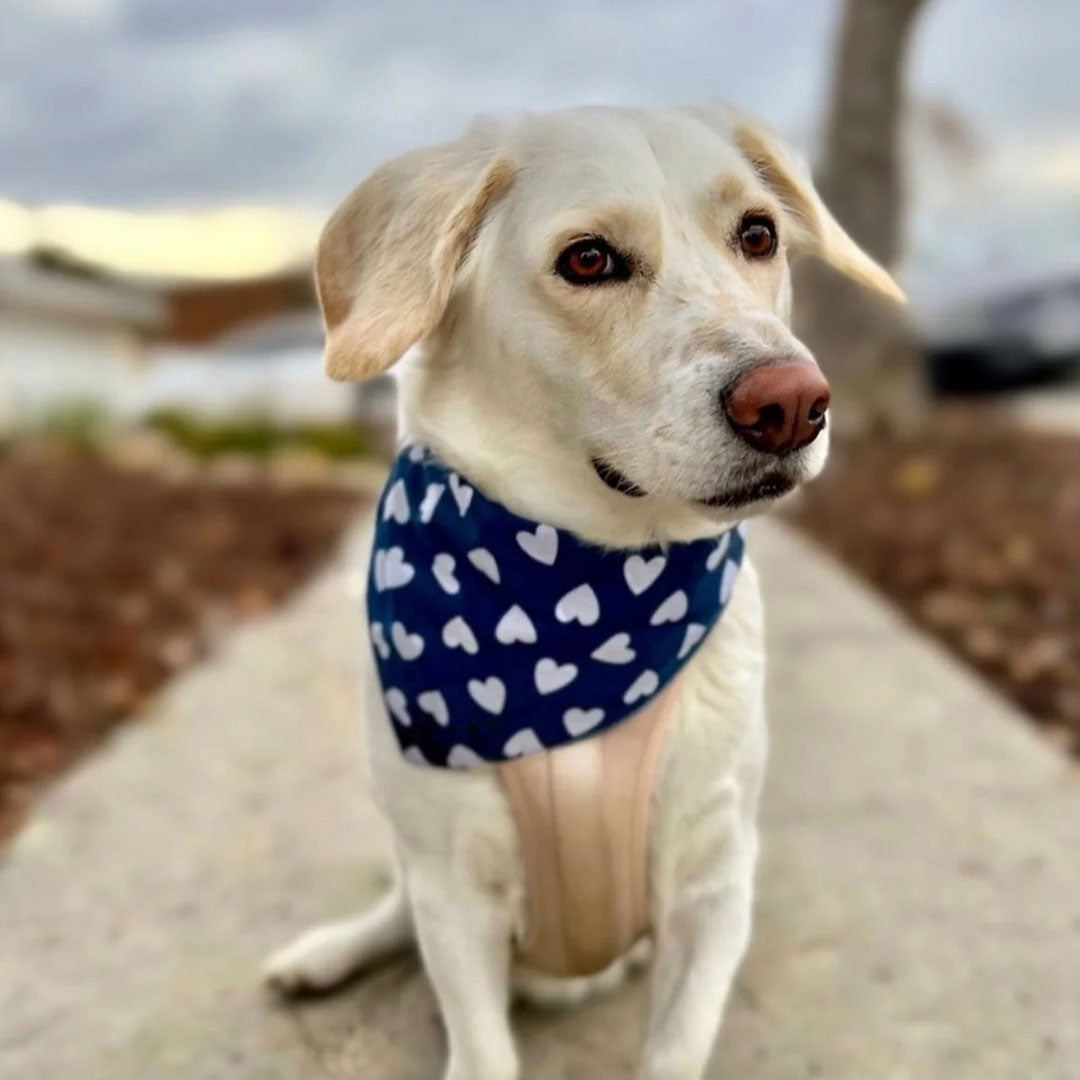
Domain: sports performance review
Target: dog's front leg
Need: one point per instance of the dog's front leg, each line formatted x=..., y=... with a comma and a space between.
x=465, y=940
x=702, y=934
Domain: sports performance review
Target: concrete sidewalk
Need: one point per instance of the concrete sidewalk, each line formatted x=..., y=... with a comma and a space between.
x=919, y=909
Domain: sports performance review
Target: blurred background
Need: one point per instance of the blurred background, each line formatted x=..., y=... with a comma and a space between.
x=173, y=459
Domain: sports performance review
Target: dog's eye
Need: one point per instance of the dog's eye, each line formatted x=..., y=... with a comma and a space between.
x=757, y=236
x=592, y=261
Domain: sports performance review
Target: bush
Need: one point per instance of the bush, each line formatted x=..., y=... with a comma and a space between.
x=258, y=436
x=78, y=424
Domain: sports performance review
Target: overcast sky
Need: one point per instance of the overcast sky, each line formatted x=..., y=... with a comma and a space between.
x=194, y=102
x=144, y=101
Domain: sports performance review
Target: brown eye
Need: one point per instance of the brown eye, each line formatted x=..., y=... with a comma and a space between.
x=590, y=262
x=757, y=236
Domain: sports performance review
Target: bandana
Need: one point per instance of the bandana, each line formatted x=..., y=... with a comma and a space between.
x=496, y=636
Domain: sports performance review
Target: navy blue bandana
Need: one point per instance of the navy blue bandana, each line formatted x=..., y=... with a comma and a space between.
x=496, y=636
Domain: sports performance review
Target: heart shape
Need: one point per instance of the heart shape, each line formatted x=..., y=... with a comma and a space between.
x=727, y=581
x=718, y=552
x=378, y=638
x=398, y=705
x=442, y=568
x=579, y=721
x=616, y=650
x=640, y=574
x=457, y=634
x=541, y=545
x=522, y=743
x=578, y=604
x=694, y=633
x=644, y=685
x=671, y=610
x=434, y=704
x=485, y=562
x=391, y=569
x=430, y=501
x=462, y=493
x=489, y=693
x=396, y=506
x=461, y=757
x=551, y=676
x=416, y=452
x=515, y=625
x=415, y=755
x=409, y=646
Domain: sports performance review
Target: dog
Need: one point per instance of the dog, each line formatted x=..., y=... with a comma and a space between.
x=595, y=304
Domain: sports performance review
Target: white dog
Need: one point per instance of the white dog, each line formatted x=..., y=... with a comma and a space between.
x=601, y=298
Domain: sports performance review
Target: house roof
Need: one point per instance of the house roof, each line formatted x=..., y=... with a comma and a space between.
x=53, y=289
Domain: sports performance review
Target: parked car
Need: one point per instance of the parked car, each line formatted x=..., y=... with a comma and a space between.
x=999, y=334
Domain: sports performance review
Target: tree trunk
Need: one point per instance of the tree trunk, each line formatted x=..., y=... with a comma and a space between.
x=864, y=345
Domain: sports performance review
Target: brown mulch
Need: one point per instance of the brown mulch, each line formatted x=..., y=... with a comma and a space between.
x=112, y=581
x=975, y=532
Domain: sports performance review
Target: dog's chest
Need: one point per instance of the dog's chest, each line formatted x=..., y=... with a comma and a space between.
x=582, y=813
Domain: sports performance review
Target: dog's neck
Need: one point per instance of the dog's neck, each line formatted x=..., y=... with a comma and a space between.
x=504, y=439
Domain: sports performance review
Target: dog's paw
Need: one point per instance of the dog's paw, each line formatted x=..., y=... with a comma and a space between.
x=317, y=960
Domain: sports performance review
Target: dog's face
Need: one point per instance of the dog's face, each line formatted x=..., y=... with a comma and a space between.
x=612, y=287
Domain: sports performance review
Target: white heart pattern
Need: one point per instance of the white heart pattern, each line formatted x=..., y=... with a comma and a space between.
x=640, y=574
x=462, y=493
x=398, y=704
x=442, y=568
x=578, y=604
x=540, y=634
x=579, y=721
x=616, y=650
x=485, y=562
x=391, y=569
x=378, y=637
x=671, y=610
x=644, y=685
x=458, y=634
x=727, y=581
x=541, y=545
x=461, y=757
x=430, y=501
x=524, y=742
x=489, y=693
x=694, y=633
x=718, y=552
x=396, y=506
x=551, y=676
x=416, y=452
x=434, y=704
x=409, y=646
x=515, y=626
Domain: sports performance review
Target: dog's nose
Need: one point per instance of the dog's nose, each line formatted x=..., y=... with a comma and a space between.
x=779, y=407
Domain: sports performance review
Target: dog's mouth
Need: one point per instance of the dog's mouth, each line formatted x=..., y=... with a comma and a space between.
x=616, y=480
x=772, y=485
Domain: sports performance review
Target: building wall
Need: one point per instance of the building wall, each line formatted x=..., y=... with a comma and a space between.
x=47, y=364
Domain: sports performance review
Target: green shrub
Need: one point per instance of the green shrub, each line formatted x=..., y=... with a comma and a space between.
x=79, y=424
x=258, y=436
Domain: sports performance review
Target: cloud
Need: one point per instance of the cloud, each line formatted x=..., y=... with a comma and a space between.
x=145, y=103
x=209, y=100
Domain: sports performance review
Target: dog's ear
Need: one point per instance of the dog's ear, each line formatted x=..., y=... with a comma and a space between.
x=816, y=230
x=388, y=257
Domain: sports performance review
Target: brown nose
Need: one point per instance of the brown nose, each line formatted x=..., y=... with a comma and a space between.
x=779, y=407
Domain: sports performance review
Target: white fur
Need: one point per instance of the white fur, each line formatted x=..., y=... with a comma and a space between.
x=522, y=381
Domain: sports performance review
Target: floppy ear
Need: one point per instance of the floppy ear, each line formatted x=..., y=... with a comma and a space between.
x=816, y=230
x=388, y=256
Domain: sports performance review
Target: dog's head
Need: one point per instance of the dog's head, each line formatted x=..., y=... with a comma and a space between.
x=603, y=298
